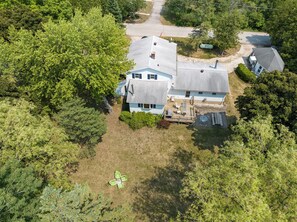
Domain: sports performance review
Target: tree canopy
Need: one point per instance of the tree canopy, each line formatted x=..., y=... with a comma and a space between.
x=273, y=94
x=78, y=204
x=252, y=178
x=282, y=28
x=20, y=189
x=83, y=57
x=83, y=125
x=36, y=141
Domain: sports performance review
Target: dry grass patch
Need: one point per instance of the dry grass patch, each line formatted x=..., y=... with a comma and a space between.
x=154, y=160
x=237, y=87
x=143, y=14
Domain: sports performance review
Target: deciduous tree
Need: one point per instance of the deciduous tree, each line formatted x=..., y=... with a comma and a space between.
x=35, y=141
x=252, y=178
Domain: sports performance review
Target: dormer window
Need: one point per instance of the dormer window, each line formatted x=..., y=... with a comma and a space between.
x=152, y=76
x=136, y=76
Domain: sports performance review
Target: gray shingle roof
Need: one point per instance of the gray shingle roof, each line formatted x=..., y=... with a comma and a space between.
x=165, y=55
x=147, y=91
x=191, y=77
x=269, y=58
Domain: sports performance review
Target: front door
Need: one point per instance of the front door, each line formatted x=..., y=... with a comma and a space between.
x=188, y=93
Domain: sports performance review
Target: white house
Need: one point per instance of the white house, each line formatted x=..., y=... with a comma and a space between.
x=157, y=77
x=266, y=59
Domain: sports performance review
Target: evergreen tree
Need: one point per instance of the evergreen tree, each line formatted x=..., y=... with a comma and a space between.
x=78, y=204
x=114, y=9
x=19, y=192
x=83, y=125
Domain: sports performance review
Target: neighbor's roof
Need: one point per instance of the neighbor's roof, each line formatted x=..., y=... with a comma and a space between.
x=147, y=91
x=165, y=55
x=202, y=77
x=269, y=58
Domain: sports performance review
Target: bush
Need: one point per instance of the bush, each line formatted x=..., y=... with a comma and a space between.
x=163, y=124
x=125, y=116
x=245, y=74
x=137, y=120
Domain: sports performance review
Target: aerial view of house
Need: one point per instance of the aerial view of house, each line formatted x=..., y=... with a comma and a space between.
x=266, y=59
x=148, y=110
x=158, y=77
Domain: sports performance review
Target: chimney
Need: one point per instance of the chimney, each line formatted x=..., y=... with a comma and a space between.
x=216, y=65
x=155, y=43
x=153, y=55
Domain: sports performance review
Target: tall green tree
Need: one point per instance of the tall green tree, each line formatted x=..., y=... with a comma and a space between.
x=83, y=125
x=78, y=204
x=226, y=30
x=253, y=178
x=84, y=57
x=282, y=28
x=114, y=9
x=273, y=94
x=19, y=192
x=36, y=141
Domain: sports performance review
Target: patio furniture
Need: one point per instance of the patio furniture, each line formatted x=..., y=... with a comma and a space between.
x=172, y=98
x=176, y=106
x=168, y=113
x=216, y=119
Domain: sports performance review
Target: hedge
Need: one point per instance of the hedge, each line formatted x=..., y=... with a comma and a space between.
x=245, y=74
x=137, y=120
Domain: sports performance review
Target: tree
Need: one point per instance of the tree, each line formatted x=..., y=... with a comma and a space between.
x=226, y=30
x=115, y=10
x=78, y=204
x=253, y=178
x=83, y=125
x=35, y=141
x=20, y=16
x=84, y=57
x=282, y=28
x=273, y=94
x=19, y=192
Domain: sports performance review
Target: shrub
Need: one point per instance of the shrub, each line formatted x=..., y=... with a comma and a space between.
x=125, y=116
x=139, y=119
x=163, y=124
x=245, y=74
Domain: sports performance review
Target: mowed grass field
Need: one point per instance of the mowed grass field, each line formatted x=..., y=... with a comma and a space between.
x=155, y=161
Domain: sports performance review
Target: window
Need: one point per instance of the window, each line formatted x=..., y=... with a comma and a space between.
x=200, y=92
x=214, y=93
x=188, y=93
x=136, y=76
x=152, y=76
x=153, y=106
x=146, y=106
x=140, y=105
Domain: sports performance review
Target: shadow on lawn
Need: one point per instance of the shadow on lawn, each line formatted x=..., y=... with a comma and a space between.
x=158, y=197
x=210, y=137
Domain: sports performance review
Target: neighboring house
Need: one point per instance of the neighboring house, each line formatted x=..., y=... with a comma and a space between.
x=158, y=77
x=266, y=59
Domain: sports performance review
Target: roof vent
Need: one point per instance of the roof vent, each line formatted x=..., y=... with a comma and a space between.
x=153, y=55
x=158, y=64
x=155, y=43
x=202, y=71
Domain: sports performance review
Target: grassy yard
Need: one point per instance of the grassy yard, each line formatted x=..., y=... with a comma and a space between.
x=143, y=14
x=154, y=160
x=237, y=87
x=188, y=47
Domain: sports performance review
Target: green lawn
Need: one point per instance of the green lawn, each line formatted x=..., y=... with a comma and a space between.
x=188, y=47
x=154, y=160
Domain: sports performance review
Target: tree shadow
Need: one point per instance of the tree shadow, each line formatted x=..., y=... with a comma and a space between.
x=159, y=197
x=210, y=137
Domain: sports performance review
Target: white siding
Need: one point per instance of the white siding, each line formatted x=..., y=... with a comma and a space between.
x=158, y=110
x=180, y=94
x=256, y=68
x=161, y=76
